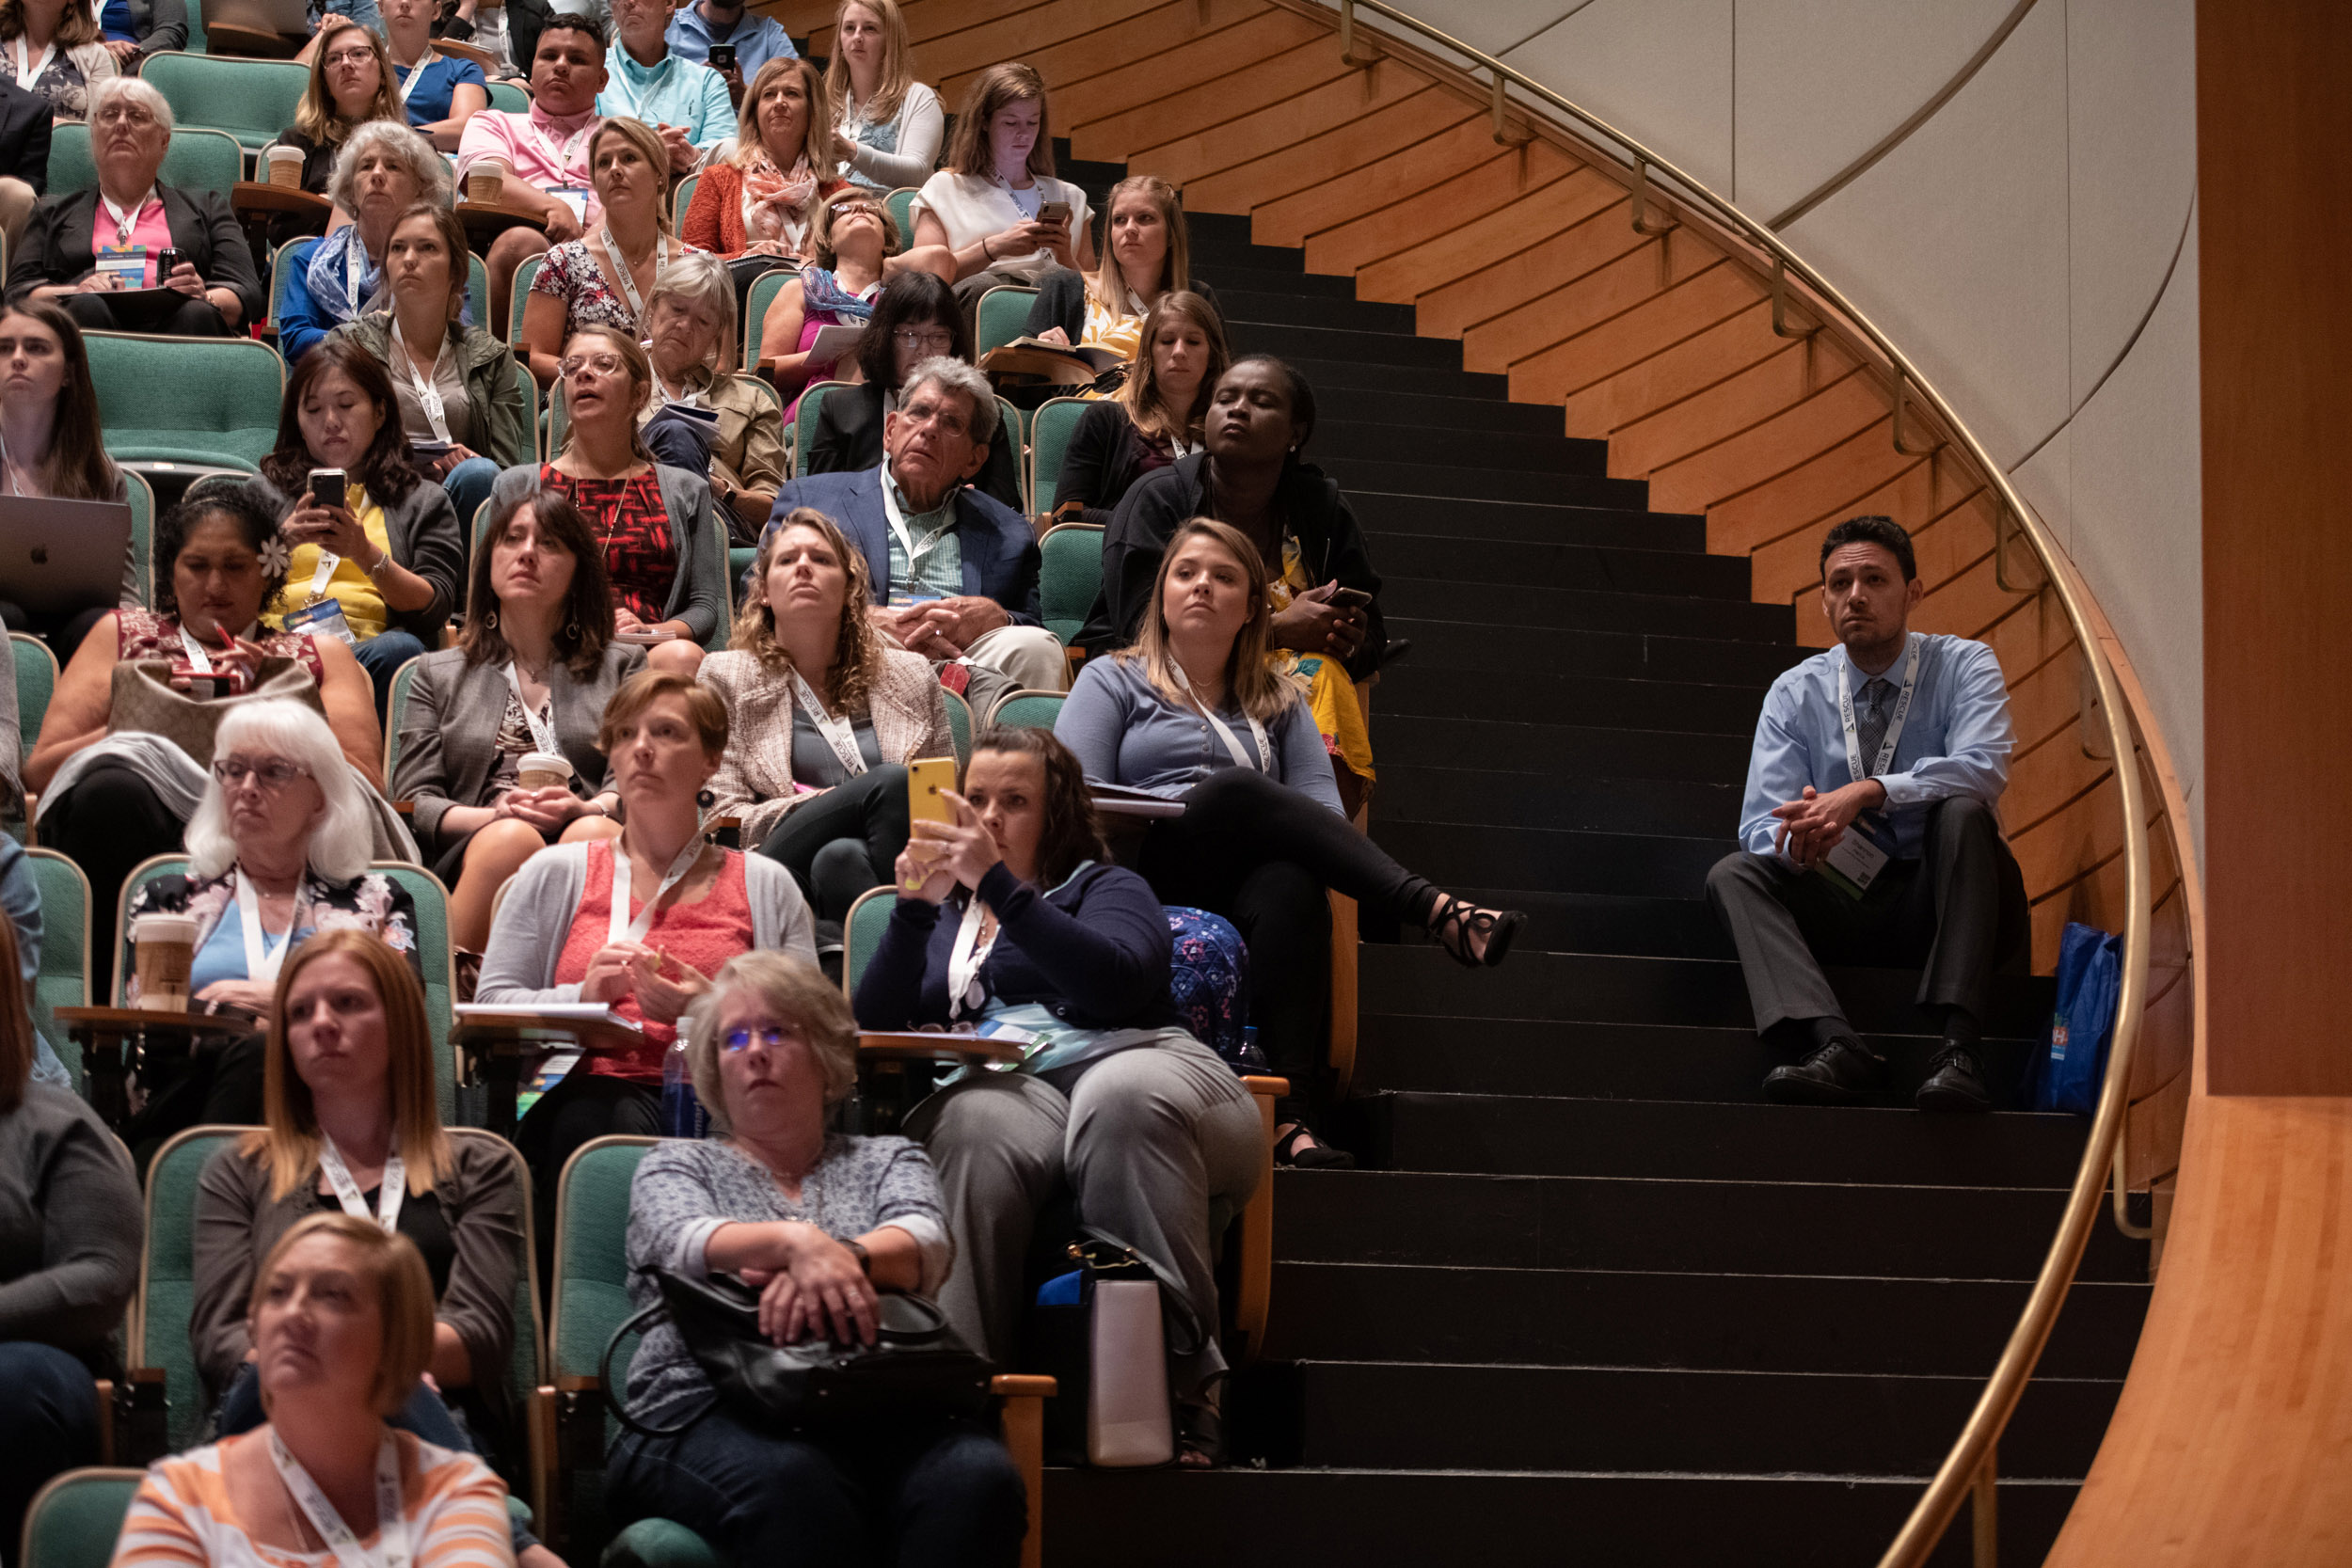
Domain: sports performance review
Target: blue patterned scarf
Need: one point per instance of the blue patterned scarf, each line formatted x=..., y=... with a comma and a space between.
x=820, y=291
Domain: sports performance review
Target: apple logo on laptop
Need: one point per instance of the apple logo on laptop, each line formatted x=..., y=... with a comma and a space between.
x=41, y=555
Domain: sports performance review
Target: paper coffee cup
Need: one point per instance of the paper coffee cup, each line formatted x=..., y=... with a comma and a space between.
x=542, y=770
x=165, y=944
x=486, y=179
x=285, y=168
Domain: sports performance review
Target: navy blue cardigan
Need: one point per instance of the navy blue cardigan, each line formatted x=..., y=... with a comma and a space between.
x=1094, y=952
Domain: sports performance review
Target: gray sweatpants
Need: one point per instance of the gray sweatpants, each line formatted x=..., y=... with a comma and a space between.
x=1145, y=1137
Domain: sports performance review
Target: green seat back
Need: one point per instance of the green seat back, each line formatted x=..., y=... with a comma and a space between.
x=168, y=1277
x=1051, y=425
x=740, y=559
x=960, y=725
x=682, y=199
x=252, y=100
x=478, y=289
x=1070, y=575
x=126, y=962
x=530, y=384
x=861, y=933
x=36, y=683
x=65, y=935
x=525, y=1368
x=1004, y=316
x=589, y=1297
x=209, y=403
x=196, y=160
x=441, y=978
x=142, y=536
x=524, y=271
x=197, y=45
x=75, y=1518
x=1028, y=710
x=722, y=553
x=765, y=288
x=558, y=426
x=803, y=425
x=395, y=708
x=509, y=98
x=292, y=261
x=1012, y=425
x=901, y=205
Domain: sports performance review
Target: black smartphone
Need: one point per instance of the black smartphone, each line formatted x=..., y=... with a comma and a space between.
x=167, y=262
x=327, y=488
x=1351, y=599
x=723, y=57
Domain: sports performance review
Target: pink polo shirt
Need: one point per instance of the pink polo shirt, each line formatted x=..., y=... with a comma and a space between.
x=537, y=145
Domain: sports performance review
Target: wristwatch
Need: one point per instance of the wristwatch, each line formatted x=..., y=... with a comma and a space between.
x=865, y=1262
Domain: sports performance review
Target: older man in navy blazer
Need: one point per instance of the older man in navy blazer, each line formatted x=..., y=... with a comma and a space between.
x=955, y=572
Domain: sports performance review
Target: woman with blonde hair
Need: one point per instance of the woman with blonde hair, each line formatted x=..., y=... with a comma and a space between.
x=54, y=48
x=887, y=126
x=823, y=716
x=342, y=1330
x=350, y=84
x=990, y=203
x=1156, y=417
x=1147, y=257
x=604, y=278
x=757, y=197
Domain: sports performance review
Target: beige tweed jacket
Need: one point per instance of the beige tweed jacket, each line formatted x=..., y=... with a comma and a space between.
x=755, y=780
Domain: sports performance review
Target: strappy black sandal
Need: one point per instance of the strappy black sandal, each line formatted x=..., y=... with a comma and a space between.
x=1459, y=921
x=1199, y=1436
x=1316, y=1156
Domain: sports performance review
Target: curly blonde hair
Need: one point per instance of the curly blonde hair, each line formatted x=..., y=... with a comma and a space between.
x=857, y=649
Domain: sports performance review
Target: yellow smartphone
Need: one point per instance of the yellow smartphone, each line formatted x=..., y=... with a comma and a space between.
x=926, y=778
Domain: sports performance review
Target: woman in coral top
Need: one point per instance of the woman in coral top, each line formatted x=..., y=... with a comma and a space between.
x=640, y=923
x=343, y=1321
x=757, y=197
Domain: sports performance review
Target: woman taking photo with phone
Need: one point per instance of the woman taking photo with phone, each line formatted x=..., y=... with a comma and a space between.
x=887, y=126
x=377, y=558
x=857, y=252
x=996, y=204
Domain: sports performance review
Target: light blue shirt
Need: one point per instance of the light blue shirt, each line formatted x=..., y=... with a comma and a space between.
x=937, y=567
x=673, y=93
x=758, y=39
x=20, y=903
x=1956, y=740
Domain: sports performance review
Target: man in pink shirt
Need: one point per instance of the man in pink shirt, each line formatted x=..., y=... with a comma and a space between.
x=545, y=149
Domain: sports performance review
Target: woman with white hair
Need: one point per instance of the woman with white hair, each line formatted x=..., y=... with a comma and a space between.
x=383, y=171
x=81, y=249
x=277, y=852
x=819, y=1222
x=705, y=416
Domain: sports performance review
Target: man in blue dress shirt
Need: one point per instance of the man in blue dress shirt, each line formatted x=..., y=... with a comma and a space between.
x=1868, y=833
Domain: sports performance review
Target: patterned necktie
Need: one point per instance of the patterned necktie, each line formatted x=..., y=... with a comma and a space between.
x=1870, y=724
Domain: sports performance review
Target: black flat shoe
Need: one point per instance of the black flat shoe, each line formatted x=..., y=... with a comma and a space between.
x=1955, y=1082
x=1316, y=1156
x=1843, y=1073
x=1460, y=920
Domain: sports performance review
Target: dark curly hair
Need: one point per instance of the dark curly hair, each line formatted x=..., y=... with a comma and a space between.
x=383, y=470
x=1071, y=834
x=208, y=503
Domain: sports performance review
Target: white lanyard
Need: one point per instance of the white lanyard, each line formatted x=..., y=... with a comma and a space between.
x=391, y=1190
x=839, y=732
x=125, y=219
x=620, y=267
x=1265, y=764
x=198, y=657
x=22, y=48
x=623, y=929
x=965, y=991
x=391, y=1526
x=354, y=269
x=562, y=153
x=261, y=963
x=542, y=732
x=408, y=83
x=328, y=560
x=1894, y=726
x=426, y=386
x=898, y=527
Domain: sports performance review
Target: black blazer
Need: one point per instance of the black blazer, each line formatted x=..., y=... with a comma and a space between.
x=848, y=437
x=25, y=120
x=1061, y=301
x=57, y=247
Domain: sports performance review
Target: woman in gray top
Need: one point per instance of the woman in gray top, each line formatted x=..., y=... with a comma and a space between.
x=819, y=1222
x=531, y=672
x=69, y=1261
x=1195, y=712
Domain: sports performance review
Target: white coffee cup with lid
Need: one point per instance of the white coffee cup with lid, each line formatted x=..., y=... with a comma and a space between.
x=542, y=770
x=166, y=946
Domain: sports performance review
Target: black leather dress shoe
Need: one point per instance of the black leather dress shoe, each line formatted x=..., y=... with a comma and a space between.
x=1843, y=1073
x=1955, y=1082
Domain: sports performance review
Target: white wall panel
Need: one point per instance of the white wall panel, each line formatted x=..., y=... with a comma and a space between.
x=1955, y=243
x=1658, y=69
x=1821, y=81
x=1491, y=26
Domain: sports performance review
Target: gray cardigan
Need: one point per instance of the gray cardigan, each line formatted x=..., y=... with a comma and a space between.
x=69, y=1224
x=535, y=917
x=425, y=536
x=698, y=595
x=1124, y=731
x=449, y=730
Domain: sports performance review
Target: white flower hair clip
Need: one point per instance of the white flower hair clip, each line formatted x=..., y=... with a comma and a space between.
x=276, y=559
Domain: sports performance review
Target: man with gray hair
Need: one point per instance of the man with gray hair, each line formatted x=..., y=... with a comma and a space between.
x=955, y=572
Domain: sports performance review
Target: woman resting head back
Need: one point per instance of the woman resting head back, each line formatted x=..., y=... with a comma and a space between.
x=808, y=575
x=280, y=790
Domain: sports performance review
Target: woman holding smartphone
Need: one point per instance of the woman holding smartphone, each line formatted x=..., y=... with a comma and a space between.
x=377, y=555
x=996, y=203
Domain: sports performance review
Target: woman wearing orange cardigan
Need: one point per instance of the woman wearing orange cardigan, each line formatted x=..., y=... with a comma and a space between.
x=756, y=200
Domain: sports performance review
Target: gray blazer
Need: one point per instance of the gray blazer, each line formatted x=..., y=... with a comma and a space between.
x=698, y=595
x=449, y=731
x=423, y=529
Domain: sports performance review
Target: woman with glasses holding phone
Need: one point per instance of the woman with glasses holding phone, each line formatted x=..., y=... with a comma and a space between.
x=915, y=318
x=858, y=250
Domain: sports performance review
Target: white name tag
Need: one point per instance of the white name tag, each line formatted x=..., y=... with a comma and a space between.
x=322, y=619
x=1854, y=865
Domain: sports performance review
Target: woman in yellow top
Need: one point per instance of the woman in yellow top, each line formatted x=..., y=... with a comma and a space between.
x=381, y=571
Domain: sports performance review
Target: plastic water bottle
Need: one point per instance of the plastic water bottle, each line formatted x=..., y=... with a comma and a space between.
x=1251, y=1059
x=682, y=1114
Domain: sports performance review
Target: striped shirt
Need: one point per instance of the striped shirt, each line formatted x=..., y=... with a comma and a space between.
x=456, y=1513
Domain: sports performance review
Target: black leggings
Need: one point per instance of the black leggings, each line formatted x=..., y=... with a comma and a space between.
x=845, y=841
x=106, y=823
x=1261, y=854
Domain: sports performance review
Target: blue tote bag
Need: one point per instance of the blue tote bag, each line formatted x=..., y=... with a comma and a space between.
x=2073, y=1056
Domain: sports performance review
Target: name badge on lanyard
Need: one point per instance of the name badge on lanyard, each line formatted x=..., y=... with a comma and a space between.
x=542, y=730
x=624, y=929
x=427, y=388
x=1868, y=843
x=391, y=1525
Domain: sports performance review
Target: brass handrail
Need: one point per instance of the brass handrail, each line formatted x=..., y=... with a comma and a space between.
x=1970, y=1465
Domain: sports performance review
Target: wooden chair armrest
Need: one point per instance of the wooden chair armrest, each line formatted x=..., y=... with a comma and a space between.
x=579, y=1422
x=140, y=1421
x=405, y=808
x=1023, y=1425
x=1254, y=1291
x=32, y=820
x=1021, y=1385
x=106, y=1420
x=540, y=1432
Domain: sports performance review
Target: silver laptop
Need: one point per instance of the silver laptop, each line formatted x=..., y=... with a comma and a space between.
x=56, y=556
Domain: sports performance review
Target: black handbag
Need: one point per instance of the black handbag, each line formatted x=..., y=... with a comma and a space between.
x=915, y=1365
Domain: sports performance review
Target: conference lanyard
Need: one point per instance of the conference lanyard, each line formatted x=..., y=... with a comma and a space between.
x=965, y=991
x=263, y=962
x=328, y=560
x=1264, y=763
x=836, y=730
x=27, y=69
x=623, y=929
x=198, y=658
x=562, y=152
x=620, y=268
x=1894, y=726
x=389, y=1191
x=542, y=730
x=416, y=73
x=426, y=386
x=391, y=1526
x=126, y=218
